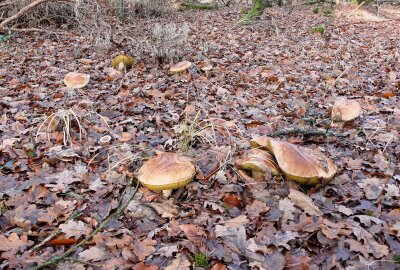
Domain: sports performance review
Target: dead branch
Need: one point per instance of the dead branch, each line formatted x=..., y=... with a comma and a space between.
x=307, y=132
x=25, y=10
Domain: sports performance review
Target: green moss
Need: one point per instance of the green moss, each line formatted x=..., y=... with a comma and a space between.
x=315, y=10
x=369, y=213
x=31, y=153
x=318, y=29
x=328, y=12
x=200, y=260
x=397, y=259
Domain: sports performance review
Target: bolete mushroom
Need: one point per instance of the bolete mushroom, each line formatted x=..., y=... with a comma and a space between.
x=126, y=60
x=76, y=80
x=300, y=164
x=166, y=171
x=258, y=162
x=345, y=110
x=180, y=67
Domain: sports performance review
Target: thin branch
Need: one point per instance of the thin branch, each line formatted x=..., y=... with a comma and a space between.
x=75, y=247
x=307, y=132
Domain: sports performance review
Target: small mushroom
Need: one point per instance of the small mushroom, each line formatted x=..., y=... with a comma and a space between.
x=205, y=66
x=76, y=80
x=180, y=67
x=345, y=110
x=258, y=162
x=126, y=60
x=167, y=171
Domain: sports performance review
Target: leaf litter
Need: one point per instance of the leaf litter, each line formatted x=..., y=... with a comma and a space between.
x=259, y=83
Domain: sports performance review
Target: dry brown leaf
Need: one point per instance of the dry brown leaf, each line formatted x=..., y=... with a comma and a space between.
x=287, y=207
x=74, y=229
x=193, y=233
x=144, y=248
x=94, y=253
x=219, y=266
x=179, y=263
x=167, y=209
x=14, y=242
x=304, y=202
x=256, y=208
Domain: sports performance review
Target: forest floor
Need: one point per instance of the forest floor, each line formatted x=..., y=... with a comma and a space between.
x=274, y=75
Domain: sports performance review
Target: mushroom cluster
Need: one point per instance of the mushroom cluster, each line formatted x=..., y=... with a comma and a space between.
x=300, y=164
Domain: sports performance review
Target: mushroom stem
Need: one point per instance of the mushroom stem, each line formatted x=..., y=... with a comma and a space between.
x=167, y=193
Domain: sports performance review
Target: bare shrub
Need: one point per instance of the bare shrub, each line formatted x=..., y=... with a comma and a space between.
x=127, y=10
x=168, y=41
x=94, y=22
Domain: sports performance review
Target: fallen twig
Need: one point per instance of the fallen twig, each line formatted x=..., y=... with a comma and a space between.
x=307, y=132
x=72, y=249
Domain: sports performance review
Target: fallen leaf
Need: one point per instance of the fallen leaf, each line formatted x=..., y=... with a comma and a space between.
x=14, y=242
x=304, y=202
x=94, y=254
x=179, y=263
x=166, y=209
x=144, y=248
x=74, y=229
x=256, y=208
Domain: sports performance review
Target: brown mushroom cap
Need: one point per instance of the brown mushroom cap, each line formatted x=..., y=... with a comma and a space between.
x=76, y=80
x=345, y=110
x=166, y=171
x=300, y=164
x=180, y=67
x=259, y=161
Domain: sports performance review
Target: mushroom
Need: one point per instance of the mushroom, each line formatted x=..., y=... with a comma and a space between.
x=258, y=162
x=345, y=110
x=180, y=67
x=167, y=171
x=300, y=164
x=126, y=60
x=76, y=80
x=205, y=66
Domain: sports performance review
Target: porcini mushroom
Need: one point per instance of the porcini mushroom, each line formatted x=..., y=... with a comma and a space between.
x=258, y=162
x=345, y=110
x=166, y=171
x=300, y=164
x=76, y=80
x=180, y=67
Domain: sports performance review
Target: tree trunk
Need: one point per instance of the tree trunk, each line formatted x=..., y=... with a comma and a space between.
x=255, y=13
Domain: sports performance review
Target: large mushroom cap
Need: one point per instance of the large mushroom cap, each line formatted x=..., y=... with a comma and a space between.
x=166, y=171
x=125, y=59
x=76, y=80
x=345, y=110
x=301, y=164
x=180, y=67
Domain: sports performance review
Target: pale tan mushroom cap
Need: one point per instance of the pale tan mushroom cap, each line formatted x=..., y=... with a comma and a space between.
x=345, y=110
x=180, y=67
x=76, y=80
x=166, y=171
